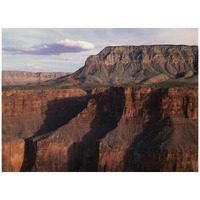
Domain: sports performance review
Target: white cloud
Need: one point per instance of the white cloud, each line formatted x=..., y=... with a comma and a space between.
x=56, y=48
x=79, y=43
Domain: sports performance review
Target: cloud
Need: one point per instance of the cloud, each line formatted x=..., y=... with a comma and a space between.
x=63, y=46
x=79, y=43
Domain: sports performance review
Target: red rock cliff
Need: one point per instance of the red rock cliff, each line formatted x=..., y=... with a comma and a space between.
x=26, y=114
x=132, y=129
x=119, y=129
x=29, y=112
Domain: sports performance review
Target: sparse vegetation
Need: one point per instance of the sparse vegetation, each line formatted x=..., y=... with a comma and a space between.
x=88, y=87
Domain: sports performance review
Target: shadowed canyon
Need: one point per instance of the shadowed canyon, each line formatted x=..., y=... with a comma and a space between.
x=143, y=127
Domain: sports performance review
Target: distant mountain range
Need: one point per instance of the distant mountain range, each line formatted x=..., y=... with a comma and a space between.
x=23, y=77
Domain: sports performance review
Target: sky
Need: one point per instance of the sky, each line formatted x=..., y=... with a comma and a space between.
x=66, y=50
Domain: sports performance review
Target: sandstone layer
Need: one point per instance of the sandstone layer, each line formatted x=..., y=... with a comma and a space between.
x=118, y=129
x=22, y=77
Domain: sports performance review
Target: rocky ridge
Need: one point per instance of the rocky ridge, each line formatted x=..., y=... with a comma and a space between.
x=117, y=65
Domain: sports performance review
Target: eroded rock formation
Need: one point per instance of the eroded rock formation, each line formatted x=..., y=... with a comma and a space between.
x=138, y=64
x=119, y=129
x=27, y=112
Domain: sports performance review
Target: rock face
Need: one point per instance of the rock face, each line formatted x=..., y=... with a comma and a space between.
x=118, y=129
x=139, y=64
x=22, y=78
x=13, y=149
x=28, y=113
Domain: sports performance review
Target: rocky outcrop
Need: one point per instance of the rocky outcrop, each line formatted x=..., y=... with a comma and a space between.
x=138, y=64
x=22, y=77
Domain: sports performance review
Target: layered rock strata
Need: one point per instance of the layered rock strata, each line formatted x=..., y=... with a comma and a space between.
x=23, y=77
x=117, y=65
x=119, y=129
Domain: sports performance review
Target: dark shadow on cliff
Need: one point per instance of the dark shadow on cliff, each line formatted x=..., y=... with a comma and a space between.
x=58, y=113
x=84, y=155
x=29, y=155
x=146, y=140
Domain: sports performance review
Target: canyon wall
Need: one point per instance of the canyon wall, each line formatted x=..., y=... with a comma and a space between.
x=13, y=149
x=118, y=129
x=27, y=112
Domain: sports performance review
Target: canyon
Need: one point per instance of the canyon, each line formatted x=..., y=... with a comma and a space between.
x=128, y=109
x=107, y=129
x=23, y=78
